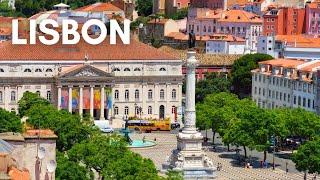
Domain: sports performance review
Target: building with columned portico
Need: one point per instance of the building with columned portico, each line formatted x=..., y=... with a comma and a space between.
x=104, y=81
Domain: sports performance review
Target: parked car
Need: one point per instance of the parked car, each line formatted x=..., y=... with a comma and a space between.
x=175, y=125
x=103, y=126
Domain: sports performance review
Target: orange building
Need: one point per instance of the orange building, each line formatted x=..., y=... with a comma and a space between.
x=284, y=21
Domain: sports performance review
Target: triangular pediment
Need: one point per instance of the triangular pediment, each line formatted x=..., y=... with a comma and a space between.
x=83, y=71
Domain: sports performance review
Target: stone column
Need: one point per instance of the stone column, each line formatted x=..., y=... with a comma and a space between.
x=19, y=92
x=7, y=97
x=81, y=100
x=144, y=97
x=190, y=114
x=102, y=103
x=59, y=97
x=156, y=100
x=70, y=99
x=91, y=101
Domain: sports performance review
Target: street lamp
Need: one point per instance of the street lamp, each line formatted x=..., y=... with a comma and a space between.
x=273, y=141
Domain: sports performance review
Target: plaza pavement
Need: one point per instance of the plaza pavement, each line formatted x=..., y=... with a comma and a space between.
x=166, y=142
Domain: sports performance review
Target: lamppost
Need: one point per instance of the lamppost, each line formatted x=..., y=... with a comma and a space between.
x=273, y=141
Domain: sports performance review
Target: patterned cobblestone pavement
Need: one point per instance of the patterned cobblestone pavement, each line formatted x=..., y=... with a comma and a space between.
x=166, y=142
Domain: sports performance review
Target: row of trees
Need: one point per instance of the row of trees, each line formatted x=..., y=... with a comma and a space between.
x=81, y=148
x=241, y=123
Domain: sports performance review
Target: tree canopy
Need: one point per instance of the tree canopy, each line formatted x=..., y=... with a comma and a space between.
x=307, y=158
x=144, y=7
x=9, y=122
x=241, y=72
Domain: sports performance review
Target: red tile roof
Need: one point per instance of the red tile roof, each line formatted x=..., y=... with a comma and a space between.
x=44, y=133
x=239, y=16
x=104, y=51
x=5, y=31
x=288, y=63
x=16, y=174
x=99, y=7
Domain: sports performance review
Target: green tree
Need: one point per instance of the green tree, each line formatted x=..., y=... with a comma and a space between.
x=30, y=99
x=214, y=83
x=241, y=72
x=67, y=169
x=109, y=156
x=144, y=7
x=213, y=112
x=307, y=158
x=301, y=123
x=180, y=14
x=174, y=175
x=9, y=122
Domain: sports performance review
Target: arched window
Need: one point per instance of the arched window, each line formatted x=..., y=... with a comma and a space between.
x=161, y=94
x=116, y=110
x=115, y=69
x=49, y=95
x=174, y=94
x=162, y=69
x=126, y=94
x=38, y=70
x=27, y=70
x=137, y=69
x=1, y=97
x=150, y=94
x=13, y=96
x=126, y=110
x=126, y=69
x=1, y=70
x=49, y=70
x=136, y=94
x=116, y=94
x=149, y=109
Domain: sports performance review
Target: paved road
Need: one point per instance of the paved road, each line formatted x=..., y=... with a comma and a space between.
x=166, y=142
x=281, y=158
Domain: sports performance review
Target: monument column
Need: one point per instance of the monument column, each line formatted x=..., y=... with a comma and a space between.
x=70, y=99
x=91, y=101
x=59, y=97
x=81, y=100
x=102, y=103
x=190, y=114
x=189, y=156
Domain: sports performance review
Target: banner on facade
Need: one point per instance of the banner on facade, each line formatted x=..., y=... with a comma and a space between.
x=97, y=98
x=64, y=98
x=75, y=98
x=86, y=98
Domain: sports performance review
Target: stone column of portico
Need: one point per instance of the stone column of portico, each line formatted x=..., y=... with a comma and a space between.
x=190, y=114
x=19, y=92
x=59, y=97
x=81, y=100
x=156, y=100
x=102, y=103
x=6, y=97
x=70, y=99
x=144, y=97
x=91, y=101
x=168, y=99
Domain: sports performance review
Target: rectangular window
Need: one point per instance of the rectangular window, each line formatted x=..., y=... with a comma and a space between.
x=294, y=100
x=309, y=103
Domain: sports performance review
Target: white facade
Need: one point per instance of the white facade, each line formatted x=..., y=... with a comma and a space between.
x=224, y=47
x=285, y=49
x=285, y=83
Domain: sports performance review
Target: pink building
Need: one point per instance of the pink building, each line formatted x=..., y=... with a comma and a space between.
x=313, y=18
x=238, y=23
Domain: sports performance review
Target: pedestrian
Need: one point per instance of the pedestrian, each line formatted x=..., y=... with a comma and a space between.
x=144, y=139
x=287, y=170
x=218, y=167
x=155, y=139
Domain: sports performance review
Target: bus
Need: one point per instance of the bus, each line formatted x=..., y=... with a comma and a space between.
x=148, y=126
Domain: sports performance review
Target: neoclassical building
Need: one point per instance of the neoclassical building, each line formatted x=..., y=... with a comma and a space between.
x=105, y=81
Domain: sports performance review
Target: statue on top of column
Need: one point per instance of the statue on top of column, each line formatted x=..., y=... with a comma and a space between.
x=192, y=39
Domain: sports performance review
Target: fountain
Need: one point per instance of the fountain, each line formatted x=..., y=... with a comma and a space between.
x=134, y=143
